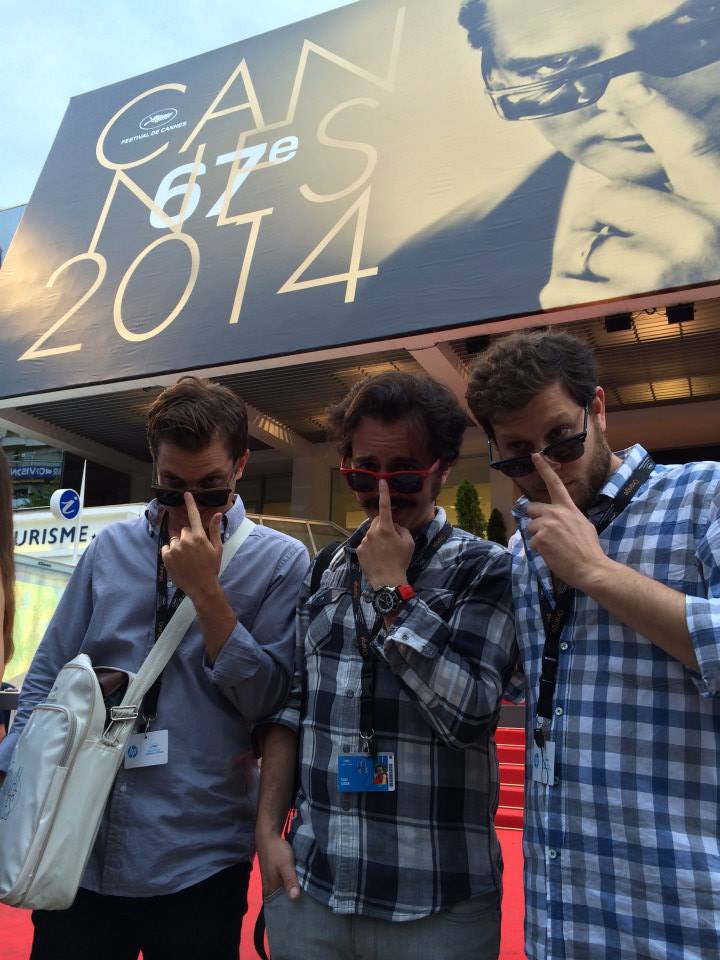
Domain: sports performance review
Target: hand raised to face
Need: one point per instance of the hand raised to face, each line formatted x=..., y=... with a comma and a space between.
x=632, y=237
x=192, y=559
x=386, y=550
x=561, y=533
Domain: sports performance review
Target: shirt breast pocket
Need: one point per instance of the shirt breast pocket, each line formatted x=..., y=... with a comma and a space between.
x=327, y=609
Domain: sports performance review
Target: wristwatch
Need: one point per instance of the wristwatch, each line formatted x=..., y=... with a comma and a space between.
x=387, y=599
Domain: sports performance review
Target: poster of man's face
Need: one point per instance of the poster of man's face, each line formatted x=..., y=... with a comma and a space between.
x=630, y=93
x=389, y=168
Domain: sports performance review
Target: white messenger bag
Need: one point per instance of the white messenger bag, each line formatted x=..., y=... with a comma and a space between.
x=64, y=765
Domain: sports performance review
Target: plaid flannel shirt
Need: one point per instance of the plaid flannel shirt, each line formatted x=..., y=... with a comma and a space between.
x=439, y=674
x=622, y=855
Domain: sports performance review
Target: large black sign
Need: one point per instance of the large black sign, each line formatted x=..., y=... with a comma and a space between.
x=385, y=169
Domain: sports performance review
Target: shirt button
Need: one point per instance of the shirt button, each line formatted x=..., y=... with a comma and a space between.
x=345, y=804
x=564, y=645
x=123, y=787
x=349, y=694
x=553, y=854
x=558, y=711
x=556, y=781
x=346, y=748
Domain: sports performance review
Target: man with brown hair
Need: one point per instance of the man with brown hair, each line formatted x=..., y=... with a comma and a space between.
x=616, y=586
x=169, y=871
x=402, y=651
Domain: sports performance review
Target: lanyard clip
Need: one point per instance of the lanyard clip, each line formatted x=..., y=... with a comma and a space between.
x=542, y=728
x=366, y=742
x=148, y=721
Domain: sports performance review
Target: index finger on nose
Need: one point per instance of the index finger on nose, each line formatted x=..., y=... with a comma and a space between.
x=555, y=487
x=384, y=507
x=193, y=513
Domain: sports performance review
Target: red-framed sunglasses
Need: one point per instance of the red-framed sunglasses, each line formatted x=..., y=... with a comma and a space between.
x=399, y=481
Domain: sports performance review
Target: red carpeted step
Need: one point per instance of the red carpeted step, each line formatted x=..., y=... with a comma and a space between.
x=509, y=817
x=512, y=773
x=511, y=753
x=510, y=735
x=511, y=795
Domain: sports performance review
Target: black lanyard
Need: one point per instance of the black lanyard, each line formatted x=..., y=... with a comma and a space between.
x=555, y=618
x=164, y=609
x=365, y=635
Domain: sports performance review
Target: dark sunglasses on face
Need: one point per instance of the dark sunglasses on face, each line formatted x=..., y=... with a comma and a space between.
x=204, y=497
x=562, y=451
x=399, y=481
x=171, y=497
x=669, y=50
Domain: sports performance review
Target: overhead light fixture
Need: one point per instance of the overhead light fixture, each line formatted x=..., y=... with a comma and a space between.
x=681, y=313
x=618, y=322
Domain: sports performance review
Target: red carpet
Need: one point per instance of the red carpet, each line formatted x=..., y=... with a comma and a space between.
x=16, y=928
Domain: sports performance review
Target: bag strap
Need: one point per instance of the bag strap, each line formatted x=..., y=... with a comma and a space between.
x=169, y=640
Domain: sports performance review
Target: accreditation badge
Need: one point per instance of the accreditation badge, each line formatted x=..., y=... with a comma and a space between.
x=543, y=763
x=146, y=750
x=363, y=773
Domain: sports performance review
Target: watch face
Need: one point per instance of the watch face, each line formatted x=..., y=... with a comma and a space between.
x=385, y=600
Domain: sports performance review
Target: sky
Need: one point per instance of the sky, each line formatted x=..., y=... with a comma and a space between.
x=52, y=50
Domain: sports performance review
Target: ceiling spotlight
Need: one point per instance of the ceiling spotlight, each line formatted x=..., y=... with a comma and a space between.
x=681, y=313
x=618, y=322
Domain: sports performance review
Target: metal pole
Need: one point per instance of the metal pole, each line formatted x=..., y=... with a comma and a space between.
x=78, y=520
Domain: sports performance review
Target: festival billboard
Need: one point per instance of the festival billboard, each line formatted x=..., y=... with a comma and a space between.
x=390, y=168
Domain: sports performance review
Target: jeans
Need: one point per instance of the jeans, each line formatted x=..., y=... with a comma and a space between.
x=201, y=922
x=307, y=930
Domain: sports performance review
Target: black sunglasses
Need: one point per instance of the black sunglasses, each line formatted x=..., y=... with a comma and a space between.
x=170, y=497
x=562, y=451
x=399, y=481
x=668, y=51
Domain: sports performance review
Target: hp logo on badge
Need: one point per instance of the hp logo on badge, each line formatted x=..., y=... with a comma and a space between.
x=132, y=751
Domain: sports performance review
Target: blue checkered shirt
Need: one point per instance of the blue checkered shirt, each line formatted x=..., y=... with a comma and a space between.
x=440, y=671
x=622, y=855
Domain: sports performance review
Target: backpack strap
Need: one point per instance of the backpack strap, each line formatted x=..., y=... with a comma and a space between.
x=320, y=565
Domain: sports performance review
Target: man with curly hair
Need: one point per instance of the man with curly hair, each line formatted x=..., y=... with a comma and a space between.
x=616, y=587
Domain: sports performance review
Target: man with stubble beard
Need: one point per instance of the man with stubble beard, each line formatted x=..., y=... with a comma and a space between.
x=616, y=586
x=384, y=747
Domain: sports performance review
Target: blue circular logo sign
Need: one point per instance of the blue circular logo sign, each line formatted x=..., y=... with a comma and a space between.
x=69, y=504
x=132, y=751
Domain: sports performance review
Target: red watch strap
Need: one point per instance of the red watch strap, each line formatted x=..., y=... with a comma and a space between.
x=405, y=591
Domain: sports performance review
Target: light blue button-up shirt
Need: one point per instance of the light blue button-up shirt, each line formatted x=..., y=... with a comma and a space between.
x=168, y=827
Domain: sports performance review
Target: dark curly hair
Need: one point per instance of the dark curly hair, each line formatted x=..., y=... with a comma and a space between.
x=394, y=396
x=194, y=412
x=517, y=367
x=474, y=17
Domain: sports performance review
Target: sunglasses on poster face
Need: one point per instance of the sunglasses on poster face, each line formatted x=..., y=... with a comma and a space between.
x=399, y=481
x=204, y=497
x=669, y=50
x=562, y=451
